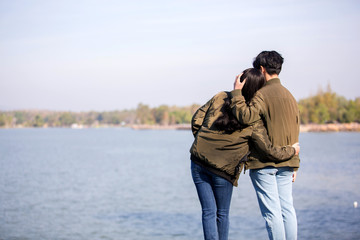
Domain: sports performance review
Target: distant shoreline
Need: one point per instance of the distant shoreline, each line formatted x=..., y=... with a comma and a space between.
x=328, y=127
x=161, y=127
x=331, y=127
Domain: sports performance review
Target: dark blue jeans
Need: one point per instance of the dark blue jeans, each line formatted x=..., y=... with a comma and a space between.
x=215, y=196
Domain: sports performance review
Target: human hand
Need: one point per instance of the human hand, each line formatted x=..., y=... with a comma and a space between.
x=294, y=176
x=297, y=148
x=237, y=83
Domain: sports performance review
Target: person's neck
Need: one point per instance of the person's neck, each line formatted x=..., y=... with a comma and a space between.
x=268, y=77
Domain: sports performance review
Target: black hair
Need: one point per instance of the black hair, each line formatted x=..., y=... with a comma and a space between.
x=271, y=60
x=254, y=81
x=227, y=121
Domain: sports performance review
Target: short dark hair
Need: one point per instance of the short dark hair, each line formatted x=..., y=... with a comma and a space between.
x=254, y=81
x=270, y=60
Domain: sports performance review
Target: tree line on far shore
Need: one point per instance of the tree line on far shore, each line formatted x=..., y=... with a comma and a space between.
x=328, y=107
x=324, y=107
x=143, y=114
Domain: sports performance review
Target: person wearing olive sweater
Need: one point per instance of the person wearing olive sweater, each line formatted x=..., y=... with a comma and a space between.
x=278, y=109
x=219, y=152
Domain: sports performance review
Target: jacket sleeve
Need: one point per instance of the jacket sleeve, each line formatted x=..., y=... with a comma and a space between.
x=246, y=114
x=198, y=117
x=262, y=143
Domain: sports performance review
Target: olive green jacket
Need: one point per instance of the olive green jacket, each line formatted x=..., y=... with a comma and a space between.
x=225, y=153
x=278, y=109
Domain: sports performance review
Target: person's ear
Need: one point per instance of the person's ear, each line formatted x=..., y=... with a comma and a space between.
x=262, y=69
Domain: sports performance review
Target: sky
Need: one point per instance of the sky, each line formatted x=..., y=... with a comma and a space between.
x=74, y=55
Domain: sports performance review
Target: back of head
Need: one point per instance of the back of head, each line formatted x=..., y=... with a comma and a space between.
x=254, y=81
x=271, y=60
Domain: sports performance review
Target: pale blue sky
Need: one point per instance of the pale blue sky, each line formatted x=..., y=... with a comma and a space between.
x=107, y=55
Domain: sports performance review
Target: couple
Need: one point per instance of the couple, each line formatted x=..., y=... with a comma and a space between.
x=256, y=127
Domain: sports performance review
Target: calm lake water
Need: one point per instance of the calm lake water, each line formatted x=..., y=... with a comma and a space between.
x=126, y=184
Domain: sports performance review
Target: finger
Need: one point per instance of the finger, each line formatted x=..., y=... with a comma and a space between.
x=238, y=77
x=294, y=176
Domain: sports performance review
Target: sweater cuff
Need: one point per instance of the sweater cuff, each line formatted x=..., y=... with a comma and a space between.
x=236, y=92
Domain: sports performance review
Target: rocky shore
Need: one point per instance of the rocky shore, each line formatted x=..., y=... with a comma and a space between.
x=331, y=127
x=161, y=127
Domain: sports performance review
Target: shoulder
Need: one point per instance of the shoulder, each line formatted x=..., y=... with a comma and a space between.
x=220, y=96
x=260, y=93
x=275, y=89
x=288, y=93
x=259, y=97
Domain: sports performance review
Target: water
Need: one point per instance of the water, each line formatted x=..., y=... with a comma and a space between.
x=127, y=184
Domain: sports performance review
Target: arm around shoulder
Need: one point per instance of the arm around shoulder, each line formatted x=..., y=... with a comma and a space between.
x=246, y=114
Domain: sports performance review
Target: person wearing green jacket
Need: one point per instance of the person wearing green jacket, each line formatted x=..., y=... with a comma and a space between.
x=219, y=152
x=278, y=109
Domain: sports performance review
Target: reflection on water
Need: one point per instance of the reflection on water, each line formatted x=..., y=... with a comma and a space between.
x=126, y=184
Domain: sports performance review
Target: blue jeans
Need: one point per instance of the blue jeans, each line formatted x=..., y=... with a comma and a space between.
x=215, y=196
x=273, y=188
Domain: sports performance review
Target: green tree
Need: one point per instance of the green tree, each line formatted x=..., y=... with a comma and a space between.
x=357, y=111
x=322, y=113
x=39, y=121
x=161, y=115
x=5, y=120
x=66, y=119
x=19, y=116
x=100, y=117
x=181, y=116
x=304, y=114
x=327, y=106
x=52, y=120
x=350, y=113
x=2, y=120
x=144, y=114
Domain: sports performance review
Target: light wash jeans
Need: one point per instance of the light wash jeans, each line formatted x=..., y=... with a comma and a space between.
x=273, y=188
x=215, y=196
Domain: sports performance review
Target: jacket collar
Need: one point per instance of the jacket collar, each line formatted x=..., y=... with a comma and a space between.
x=273, y=81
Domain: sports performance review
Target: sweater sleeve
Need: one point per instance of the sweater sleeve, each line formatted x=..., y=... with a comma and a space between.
x=262, y=143
x=246, y=114
x=198, y=117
